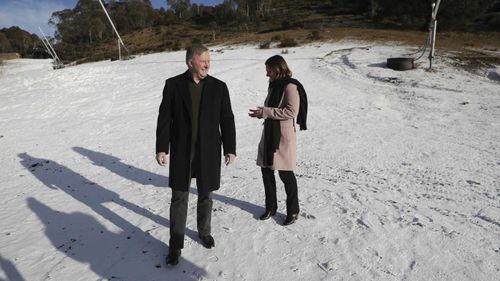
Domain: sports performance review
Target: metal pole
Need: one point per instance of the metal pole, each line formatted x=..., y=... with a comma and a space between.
x=431, y=53
x=435, y=10
x=58, y=61
x=50, y=45
x=433, y=30
x=114, y=28
x=48, y=49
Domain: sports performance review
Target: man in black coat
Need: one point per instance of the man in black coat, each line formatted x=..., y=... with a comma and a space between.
x=195, y=118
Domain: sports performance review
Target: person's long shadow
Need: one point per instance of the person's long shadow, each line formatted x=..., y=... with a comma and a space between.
x=144, y=177
x=112, y=256
x=10, y=270
x=56, y=176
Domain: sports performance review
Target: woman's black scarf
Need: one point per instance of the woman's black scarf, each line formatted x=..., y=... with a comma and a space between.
x=272, y=130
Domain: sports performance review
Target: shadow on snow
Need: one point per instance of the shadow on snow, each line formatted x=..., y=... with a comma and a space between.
x=130, y=254
x=144, y=177
x=10, y=270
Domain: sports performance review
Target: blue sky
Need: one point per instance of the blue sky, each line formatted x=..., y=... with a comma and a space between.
x=29, y=14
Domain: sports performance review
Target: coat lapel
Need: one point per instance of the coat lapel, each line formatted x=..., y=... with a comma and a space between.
x=184, y=93
x=207, y=85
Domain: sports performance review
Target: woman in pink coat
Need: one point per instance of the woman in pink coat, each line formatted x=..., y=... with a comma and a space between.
x=286, y=100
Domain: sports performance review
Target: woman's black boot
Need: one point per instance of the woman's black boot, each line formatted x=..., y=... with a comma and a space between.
x=268, y=214
x=291, y=219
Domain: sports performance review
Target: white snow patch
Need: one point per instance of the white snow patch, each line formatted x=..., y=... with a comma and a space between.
x=399, y=173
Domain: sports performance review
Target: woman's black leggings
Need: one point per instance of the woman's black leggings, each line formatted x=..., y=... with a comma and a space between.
x=288, y=178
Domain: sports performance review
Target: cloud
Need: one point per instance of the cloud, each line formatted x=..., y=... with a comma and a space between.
x=29, y=14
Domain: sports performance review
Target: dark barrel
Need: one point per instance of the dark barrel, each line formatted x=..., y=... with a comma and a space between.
x=400, y=63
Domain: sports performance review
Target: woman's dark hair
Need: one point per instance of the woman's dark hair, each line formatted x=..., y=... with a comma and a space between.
x=278, y=63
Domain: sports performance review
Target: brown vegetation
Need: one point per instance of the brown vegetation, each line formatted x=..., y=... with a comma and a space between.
x=84, y=34
x=9, y=56
x=472, y=50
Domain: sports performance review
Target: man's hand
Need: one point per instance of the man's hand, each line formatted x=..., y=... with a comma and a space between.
x=256, y=113
x=229, y=159
x=161, y=158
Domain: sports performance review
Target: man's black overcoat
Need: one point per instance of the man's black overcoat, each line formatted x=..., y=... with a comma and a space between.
x=216, y=127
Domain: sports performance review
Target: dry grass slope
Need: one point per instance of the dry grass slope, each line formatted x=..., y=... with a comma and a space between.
x=472, y=50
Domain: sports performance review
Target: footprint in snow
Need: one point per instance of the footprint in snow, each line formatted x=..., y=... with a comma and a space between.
x=416, y=222
x=471, y=182
x=327, y=266
x=362, y=223
x=308, y=216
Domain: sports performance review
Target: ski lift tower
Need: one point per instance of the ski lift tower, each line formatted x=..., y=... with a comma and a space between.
x=432, y=30
x=120, y=41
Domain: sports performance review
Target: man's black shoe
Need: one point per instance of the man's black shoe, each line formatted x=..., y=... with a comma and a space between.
x=291, y=219
x=267, y=215
x=207, y=241
x=173, y=256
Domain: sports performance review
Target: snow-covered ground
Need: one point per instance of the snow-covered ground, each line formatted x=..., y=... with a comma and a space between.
x=399, y=173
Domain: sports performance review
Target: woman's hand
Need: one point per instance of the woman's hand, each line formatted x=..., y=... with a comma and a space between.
x=256, y=113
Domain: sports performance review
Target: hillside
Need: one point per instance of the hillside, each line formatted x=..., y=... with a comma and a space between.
x=83, y=33
x=473, y=51
x=17, y=40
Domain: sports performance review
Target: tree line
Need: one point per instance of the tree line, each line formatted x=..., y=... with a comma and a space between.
x=16, y=40
x=80, y=30
x=87, y=23
x=453, y=14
